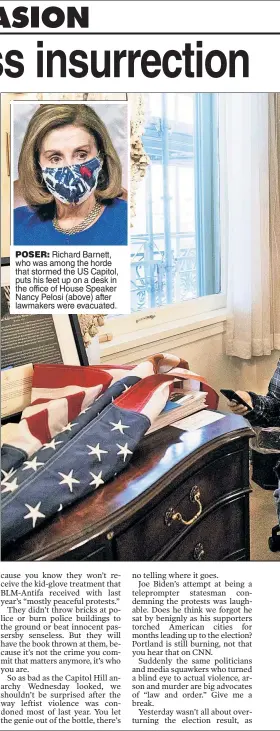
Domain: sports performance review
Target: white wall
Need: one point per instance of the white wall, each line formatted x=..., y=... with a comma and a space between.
x=207, y=357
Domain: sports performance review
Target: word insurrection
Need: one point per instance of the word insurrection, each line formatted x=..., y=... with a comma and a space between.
x=192, y=62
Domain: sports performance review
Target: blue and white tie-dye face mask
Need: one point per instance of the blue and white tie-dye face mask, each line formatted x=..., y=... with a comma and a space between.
x=72, y=183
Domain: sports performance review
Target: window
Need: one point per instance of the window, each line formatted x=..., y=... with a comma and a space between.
x=175, y=241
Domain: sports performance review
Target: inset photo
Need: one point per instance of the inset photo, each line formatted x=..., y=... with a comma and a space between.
x=69, y=173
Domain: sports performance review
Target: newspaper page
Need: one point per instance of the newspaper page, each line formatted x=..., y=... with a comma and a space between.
x=140, y=371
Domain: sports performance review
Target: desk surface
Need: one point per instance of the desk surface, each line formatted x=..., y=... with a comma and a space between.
x=157, y=460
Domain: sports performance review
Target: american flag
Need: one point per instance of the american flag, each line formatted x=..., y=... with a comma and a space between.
x=85, y=423
x=59, y=393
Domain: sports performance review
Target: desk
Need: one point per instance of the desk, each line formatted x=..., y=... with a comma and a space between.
x=203, y=475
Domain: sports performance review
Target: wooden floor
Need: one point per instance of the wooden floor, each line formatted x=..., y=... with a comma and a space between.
x=262, y=519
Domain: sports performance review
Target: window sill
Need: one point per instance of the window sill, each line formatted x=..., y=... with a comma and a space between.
x=128, y=348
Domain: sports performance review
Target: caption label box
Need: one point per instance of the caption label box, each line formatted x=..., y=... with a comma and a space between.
x=70, y=280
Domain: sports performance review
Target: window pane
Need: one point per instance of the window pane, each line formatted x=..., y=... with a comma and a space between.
x=166, y=248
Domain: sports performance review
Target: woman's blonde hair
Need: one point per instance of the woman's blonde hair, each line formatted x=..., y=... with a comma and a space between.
x=49, y=117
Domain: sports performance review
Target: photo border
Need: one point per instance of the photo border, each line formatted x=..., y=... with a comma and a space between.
x=89, y=102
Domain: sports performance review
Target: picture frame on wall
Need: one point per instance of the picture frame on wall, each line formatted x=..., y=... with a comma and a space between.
x=28, y=339
x=64, y=329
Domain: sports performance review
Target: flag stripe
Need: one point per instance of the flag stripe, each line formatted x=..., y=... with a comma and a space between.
x=22, y=439
x=58, y=416
x=89, y=393
x=157, y=400
x=137, y=397
x=38, y=425
x=75, y=404
x=59, y=376
x=38, y=402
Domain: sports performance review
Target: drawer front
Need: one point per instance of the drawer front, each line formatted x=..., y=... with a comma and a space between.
x=220, y=534
x=89, y=552
x=193, y=495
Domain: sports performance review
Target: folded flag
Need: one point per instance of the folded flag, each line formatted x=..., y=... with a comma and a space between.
x=59, y=393
x=80, y=430
x=175, y=366
x=72, y=466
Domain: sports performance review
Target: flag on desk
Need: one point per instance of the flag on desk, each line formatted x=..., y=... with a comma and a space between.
x=81, y=429
x=59, y=393
x=95, y=448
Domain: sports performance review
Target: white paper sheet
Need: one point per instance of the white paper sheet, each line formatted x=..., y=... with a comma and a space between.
x=195, y=421
x=16, y=384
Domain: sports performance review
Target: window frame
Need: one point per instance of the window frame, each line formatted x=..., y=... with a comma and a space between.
x=210, y=267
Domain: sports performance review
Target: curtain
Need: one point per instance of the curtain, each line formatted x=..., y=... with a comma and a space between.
x=274, y=148
x=249, y=208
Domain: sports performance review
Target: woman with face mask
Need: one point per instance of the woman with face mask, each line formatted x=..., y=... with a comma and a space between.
x=70, y=177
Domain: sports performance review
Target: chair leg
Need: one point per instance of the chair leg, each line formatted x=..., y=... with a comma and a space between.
x=274, y=539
